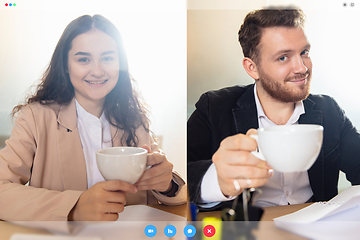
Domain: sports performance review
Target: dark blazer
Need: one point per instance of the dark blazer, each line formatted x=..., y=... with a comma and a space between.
x=232, y=110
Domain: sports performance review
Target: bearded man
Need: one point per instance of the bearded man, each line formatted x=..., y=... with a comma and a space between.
x=276, y=56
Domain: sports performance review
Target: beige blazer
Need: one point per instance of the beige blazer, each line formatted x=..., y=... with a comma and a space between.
x=45, y=150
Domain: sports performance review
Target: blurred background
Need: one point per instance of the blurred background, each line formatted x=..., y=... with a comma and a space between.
x=154, y=35
x=214, y=55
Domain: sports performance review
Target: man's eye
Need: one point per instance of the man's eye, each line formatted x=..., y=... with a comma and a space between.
x=282, y=58
x=305, y=52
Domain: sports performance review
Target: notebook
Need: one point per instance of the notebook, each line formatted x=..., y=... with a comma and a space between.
x=336, y=219
x=349, y=198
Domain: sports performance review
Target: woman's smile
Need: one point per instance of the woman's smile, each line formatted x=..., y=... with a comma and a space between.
x=96, y=82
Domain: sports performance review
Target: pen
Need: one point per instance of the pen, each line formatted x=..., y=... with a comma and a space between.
x=193, y=211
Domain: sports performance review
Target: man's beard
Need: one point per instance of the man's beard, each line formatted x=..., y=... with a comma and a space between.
x=283, y=93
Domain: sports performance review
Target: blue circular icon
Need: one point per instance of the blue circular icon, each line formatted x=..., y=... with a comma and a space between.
x=10, y=4
x=189, y=231
x=150, y=231
x=170, y=231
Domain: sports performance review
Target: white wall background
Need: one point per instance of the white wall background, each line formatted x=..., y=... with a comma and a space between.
x=154, y=34
x=215, y=56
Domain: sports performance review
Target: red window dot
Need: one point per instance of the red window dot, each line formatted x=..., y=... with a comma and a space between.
x=6, y=4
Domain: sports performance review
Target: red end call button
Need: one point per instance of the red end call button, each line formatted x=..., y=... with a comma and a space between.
x=209, y=231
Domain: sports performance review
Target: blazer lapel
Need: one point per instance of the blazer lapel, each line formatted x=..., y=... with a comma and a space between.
x=316, y=172
x=73, y=166
x=245, y=113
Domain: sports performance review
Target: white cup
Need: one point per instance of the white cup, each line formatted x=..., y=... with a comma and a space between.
x=121, y=163
x=291, y=148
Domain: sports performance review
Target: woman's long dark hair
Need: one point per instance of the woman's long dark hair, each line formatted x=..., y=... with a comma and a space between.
x=122, y=107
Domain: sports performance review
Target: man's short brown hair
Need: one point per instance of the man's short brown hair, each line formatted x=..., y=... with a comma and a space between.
x=251, y=30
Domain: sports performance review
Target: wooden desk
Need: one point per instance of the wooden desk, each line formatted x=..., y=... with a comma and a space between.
x=7, y=229
x=267, y=229
x=269, y=212
x=273, y=212
x=180, y=210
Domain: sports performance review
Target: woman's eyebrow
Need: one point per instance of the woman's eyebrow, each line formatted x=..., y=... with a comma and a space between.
x=108, y=52
x=83, y=53
x=88, y=54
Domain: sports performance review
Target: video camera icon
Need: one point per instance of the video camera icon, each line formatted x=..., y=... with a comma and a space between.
x=150, y=231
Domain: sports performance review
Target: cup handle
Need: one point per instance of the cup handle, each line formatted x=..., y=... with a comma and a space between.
x=257, y=153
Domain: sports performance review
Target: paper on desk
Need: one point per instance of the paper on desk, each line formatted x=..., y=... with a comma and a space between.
x=146, y=213
x=347, y=199
x=131, y=225
x=49, y=237
x=329, y=221
x=342, y=225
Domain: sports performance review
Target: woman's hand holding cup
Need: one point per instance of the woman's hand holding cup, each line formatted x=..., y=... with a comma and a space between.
x=102, y=202
x=158, y=177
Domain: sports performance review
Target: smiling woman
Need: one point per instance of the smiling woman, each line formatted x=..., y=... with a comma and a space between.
x=84, y=102
x=93, y=67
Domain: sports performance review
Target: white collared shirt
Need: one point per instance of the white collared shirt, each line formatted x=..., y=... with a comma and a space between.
x=281, y=189
x=94, y=134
